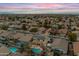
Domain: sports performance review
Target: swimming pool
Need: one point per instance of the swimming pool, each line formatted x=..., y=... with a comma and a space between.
x=36, y=50
x=13, y=49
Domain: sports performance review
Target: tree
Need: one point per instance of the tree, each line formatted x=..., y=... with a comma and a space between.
x=34, y=30
x=72, y=36
x=77, y=24
x=40, y=24
x=24, y=27
x=23, y=21
x=46, y=24
x=60, y=26
x=22, y=48
x=26, y=48
x=4, y=27
x=57, y=53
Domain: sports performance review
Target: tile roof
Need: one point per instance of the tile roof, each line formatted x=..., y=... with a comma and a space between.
x=76, y=47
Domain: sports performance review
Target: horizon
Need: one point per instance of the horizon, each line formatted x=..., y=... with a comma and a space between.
x=39, y=8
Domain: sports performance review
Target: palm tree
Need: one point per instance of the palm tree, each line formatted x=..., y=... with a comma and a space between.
x=26, y=48
x=22, y=48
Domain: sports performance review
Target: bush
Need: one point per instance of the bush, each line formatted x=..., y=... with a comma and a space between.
x=4, y=27
x=24, y=27
x=34, y=30
x=72, y=36
x=60, y=26
x=57, y=53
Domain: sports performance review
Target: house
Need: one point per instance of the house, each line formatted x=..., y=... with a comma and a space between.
x=4, y=51
x=22, y=37
x=63, y=31
x=41, y=39
x=15, y=26
x=76, y=48
x=5, y=33
x=61, y=45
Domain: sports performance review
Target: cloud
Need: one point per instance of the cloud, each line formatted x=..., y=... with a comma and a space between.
x=39, y=7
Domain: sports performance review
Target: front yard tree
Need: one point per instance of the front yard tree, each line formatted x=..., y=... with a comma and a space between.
x=72, y=36
x=24, y=27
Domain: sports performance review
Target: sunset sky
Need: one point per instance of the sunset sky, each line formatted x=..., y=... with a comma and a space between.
x=39, y=8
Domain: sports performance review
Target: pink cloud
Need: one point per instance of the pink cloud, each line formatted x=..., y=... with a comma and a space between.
x=32, y=6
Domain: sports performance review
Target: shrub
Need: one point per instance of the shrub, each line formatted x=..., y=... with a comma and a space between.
x=34, y=30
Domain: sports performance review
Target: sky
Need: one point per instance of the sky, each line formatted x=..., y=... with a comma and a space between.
x=39, y=8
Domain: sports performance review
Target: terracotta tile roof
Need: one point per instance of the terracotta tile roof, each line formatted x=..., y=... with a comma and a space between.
x=76, y=47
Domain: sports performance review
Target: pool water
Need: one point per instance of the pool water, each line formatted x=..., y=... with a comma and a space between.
x=36, y=50
x=13, y=49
